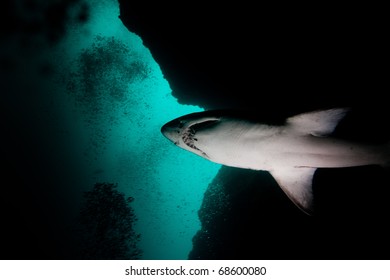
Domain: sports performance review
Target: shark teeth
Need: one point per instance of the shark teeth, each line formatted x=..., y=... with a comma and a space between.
x=188, y=138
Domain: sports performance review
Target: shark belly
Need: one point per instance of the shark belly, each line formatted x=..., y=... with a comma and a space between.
x=326, y=152
x=302, y=151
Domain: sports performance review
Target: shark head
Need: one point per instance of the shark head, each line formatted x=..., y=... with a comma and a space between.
x=187, y=132
x=214, y=135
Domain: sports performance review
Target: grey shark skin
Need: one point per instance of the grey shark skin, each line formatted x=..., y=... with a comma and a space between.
x=291, y=152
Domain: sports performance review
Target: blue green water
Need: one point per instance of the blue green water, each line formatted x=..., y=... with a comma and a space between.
x=115, y=99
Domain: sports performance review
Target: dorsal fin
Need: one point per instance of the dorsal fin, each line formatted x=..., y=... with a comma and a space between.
x=318, y=123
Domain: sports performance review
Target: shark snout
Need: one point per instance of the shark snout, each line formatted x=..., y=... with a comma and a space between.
x=171, y=131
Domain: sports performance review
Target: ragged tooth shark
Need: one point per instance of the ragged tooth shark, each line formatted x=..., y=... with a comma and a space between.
x=291, y=151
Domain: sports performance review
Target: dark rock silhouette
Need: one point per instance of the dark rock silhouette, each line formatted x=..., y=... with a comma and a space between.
x=262, y=56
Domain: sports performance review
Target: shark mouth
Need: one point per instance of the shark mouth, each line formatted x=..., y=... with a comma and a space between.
x=189, y=138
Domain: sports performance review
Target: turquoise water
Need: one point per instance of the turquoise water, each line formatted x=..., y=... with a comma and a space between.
x=116, y=100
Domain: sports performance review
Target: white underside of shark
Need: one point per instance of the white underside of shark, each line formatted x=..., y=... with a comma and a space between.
x=290, y=152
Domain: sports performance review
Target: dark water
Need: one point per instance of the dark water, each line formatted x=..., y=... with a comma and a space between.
x=83, y=100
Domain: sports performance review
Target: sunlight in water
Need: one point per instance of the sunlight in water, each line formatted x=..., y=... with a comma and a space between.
x=122, y=100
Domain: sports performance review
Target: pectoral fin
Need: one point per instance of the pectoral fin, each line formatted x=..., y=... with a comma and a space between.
x=296, y=182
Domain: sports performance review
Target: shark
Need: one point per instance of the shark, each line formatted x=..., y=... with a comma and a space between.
x=291, y=151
